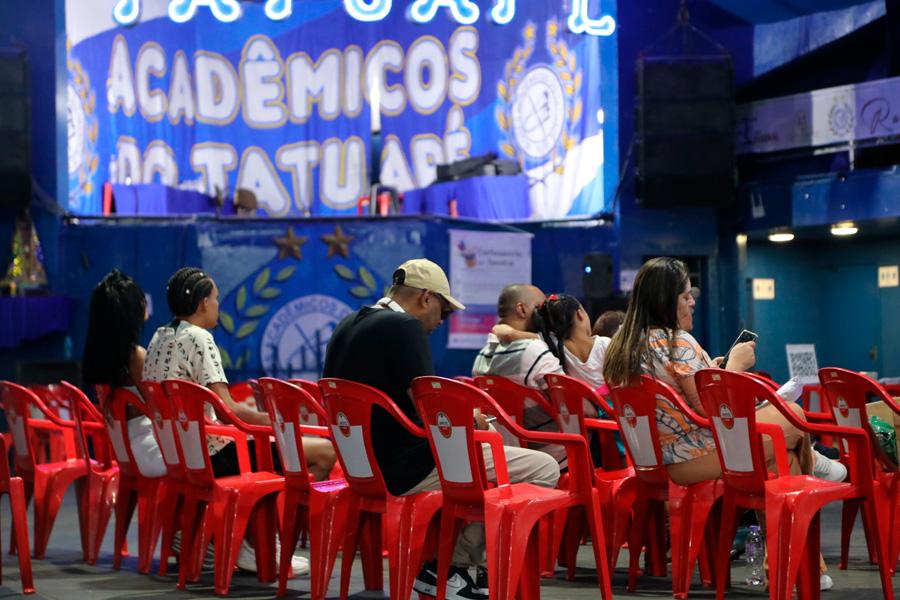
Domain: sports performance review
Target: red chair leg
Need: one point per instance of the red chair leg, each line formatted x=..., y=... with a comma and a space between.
x=351, y=539
x=125, y=505
x=636, y=542
x=290, y=530
x=446, y=545
x=787, y=526
x=148, y=524
x=872, y=507
x=18, y=508
x=371, y=546
x=723, y=549
x=189, y=540
x=328, y=524
x=601, y=559
x=170, y=505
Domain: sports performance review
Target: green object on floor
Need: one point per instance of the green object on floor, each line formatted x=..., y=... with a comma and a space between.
x=886, y=435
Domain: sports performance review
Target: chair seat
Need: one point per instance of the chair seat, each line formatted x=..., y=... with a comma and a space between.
x=247, y=479
x=795, y=484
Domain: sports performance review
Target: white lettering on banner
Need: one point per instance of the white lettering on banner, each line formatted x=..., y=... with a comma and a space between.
x=128, y=160
x=395, y=170
x=217, y=88
x=457, y=138
x=463, y=11
x=368, y=10
x=465, y=81
x=128, y=12
x=352, y=83
x=151, y=61
x=261, y=75
x=299, y=160
x=387, y=55
x=270, y=90
x=427, y=153
x=181, y=91
x=257, y=175
x=342, y=176
x=426, y=74
x=213, y=160
x=120, y=85
x=314, y=83
x=159, y=158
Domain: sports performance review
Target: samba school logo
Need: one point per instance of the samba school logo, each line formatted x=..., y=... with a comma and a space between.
x=83, y=129
x=540, y=105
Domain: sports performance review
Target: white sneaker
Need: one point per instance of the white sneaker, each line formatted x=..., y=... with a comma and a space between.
x=830, y=470
x=825, y=582
x=246, y=560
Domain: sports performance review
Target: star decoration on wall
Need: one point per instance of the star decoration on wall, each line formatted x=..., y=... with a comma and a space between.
x=289, y=245
x=338, y=242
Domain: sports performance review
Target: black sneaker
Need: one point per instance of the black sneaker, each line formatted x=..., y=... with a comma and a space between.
x=426, y=581
x=481, y=580
x=460, y=584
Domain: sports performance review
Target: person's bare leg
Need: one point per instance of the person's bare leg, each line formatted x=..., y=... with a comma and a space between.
x=703, y=468
x=320, y=457
x=795, y=440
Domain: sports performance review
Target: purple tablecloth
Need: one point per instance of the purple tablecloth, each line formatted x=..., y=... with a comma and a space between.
x=30, y=317
x=157, y=199
x=503, y=198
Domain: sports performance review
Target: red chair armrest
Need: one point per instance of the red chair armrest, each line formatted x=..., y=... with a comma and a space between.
x=776, y=434
x=316, y=430
x=240, y=440
x=499, y=455
x=601, y=424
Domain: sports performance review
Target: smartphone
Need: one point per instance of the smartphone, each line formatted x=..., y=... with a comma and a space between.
x=744, y=336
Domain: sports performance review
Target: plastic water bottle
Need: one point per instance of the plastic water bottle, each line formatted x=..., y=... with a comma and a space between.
x=756, y=553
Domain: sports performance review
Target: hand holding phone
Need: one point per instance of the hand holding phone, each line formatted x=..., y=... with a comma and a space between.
x=745, y=336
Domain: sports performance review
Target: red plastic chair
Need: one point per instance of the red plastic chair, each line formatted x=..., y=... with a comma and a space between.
x=97, y=491
x=227, y=503
x=15, y=487
x=617, y=488
x=513, y=399
x=510, y=512
x=320, y=501
x=791, y=502
x=164, y=418
x=311, y=413
x=691, y=508
x=410, y=528
x=135, y=489
x=47, y=482
x=847, y=394
x=53, y=445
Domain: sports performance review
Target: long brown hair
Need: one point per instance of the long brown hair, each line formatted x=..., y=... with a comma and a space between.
x=653, y=303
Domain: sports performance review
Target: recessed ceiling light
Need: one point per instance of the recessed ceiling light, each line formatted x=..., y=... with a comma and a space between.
x=780, y=237
x=844, y=228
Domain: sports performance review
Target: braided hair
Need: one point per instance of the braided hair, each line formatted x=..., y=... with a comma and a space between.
x=186, y=289
x=115, y=321
x=554, y=320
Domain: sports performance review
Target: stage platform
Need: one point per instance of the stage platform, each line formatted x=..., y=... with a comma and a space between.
x=62, y=575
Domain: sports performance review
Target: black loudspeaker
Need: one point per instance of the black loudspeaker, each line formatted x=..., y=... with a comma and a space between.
x=15, y=129
x=598, y=275
x=685, y=131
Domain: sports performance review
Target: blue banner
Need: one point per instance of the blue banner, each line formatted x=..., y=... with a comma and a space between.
x=277, y=98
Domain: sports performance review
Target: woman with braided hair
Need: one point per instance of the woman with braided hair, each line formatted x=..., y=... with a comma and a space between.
x=184, y=349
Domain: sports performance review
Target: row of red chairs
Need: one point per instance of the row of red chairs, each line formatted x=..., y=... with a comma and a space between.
x=646, y=482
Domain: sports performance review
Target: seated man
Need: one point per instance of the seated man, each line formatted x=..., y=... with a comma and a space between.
x=386, y=346
x=521, y=356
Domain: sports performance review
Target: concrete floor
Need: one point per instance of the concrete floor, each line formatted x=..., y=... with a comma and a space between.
x=62, y=575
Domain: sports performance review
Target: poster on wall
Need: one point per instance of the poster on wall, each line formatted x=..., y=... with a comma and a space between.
x=802, y=363
x=278, y=97
x=482, y=263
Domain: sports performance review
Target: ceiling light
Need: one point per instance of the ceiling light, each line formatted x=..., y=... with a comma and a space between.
x=780, y=237
x=844, y=228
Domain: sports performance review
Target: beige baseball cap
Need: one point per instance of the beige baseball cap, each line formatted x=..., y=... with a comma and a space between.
x=423, y=274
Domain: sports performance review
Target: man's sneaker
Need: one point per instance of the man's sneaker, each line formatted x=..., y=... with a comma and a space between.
x=460, y=583
x=481, y=580
x=246, y=560
x=825, y=582
x=426, y=580
x=828, y=469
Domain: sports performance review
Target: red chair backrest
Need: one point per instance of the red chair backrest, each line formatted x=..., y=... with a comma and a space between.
x=188, y=400
x=242, y=392
x=284, y=401
x=446, y=407
x=810, y=390
x=513, y=398
x=17, y=402
x=113, y=403
x=53, y=398
x=846, y=394
x=566, y=396
x=349, y=407
x=93, y=439
x=311, y=413
x=635, y=411
x=164, y=419
x=729, y=399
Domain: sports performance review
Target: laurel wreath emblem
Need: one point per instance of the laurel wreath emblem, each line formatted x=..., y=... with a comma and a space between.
x=264, y=288
x=565, y=63
x=81, y=182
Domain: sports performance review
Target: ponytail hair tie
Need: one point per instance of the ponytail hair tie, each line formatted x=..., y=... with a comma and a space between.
x=552, y=298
